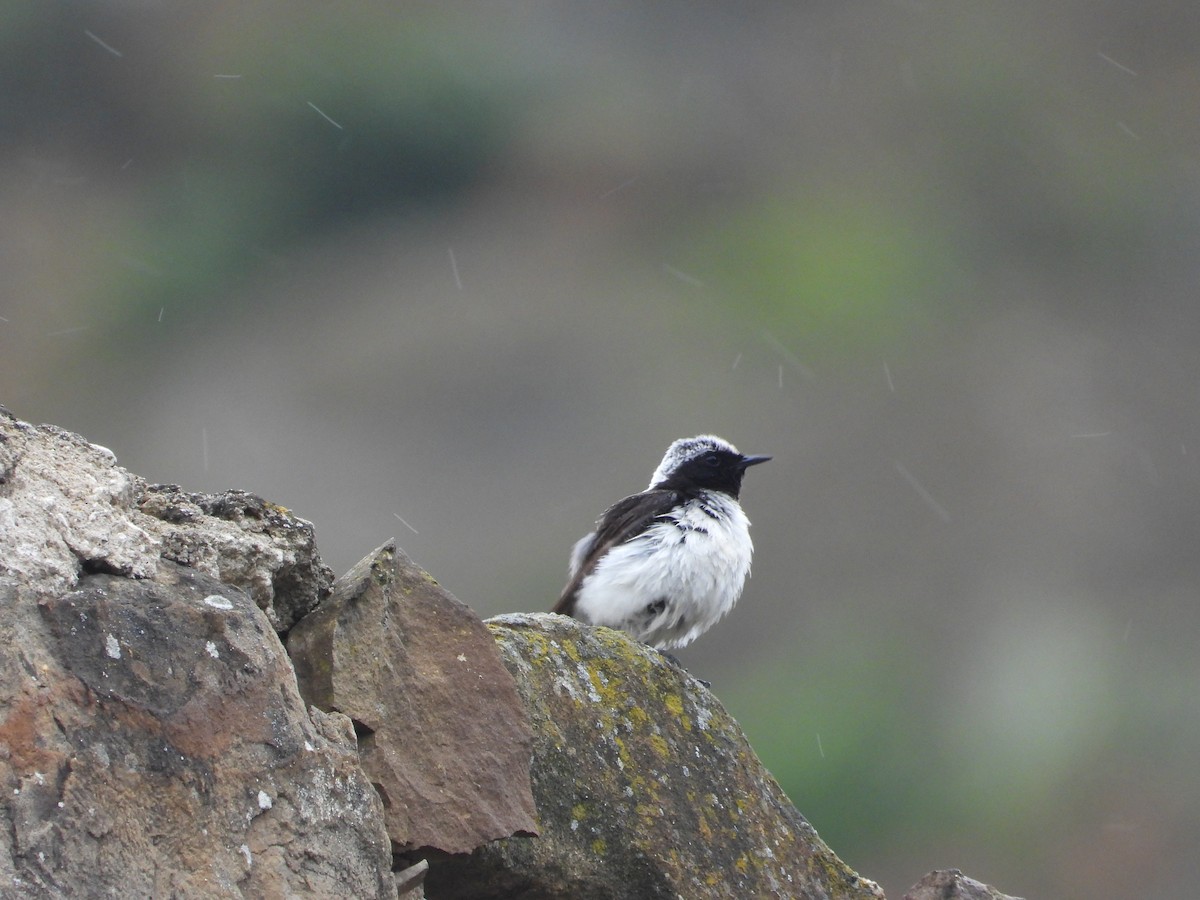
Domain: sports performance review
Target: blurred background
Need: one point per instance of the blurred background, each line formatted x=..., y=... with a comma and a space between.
x=459, y=273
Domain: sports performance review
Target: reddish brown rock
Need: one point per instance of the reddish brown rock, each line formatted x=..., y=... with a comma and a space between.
x=154, y=744
x=442, y=732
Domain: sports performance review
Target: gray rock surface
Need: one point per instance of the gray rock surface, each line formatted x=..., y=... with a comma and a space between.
x=65, y=505
x=67, y=508
x=442, y=732
x=645, y=786
x=242, y=540
x=951, y=884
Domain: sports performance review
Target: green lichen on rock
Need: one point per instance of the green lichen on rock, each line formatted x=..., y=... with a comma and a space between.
x=645, y=786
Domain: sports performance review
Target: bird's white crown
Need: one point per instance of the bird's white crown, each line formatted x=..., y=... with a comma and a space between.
x=685, y=449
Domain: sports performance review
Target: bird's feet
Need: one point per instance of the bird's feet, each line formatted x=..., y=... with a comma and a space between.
x=674, y=661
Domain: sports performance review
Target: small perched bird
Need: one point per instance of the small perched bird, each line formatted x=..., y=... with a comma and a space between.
x=664, y=565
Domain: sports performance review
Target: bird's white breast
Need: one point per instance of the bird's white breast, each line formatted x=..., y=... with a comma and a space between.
x=695, y=559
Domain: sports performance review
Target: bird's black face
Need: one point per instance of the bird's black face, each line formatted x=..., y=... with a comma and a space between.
x=714, y=470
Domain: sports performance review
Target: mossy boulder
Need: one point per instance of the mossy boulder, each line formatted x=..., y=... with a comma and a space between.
x=644, y=784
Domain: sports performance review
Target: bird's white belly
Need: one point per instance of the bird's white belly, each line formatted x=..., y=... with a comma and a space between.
x=673, y=582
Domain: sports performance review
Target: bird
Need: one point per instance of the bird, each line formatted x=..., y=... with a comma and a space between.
x=666, y=564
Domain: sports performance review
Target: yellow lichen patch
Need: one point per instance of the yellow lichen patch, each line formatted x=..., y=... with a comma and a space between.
x=579, y=812
x=674, y=703
x=638, y=717
x=532, y=643
x=611, y=694
x=622, y=750
x=660, y=746
x=599, y=847
x=628, y=765
x=742, y=864
x=645, y=811
x=571, y=649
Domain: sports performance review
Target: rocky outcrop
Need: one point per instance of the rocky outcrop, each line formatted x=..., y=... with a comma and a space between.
x=644, y=784
x=156, y=739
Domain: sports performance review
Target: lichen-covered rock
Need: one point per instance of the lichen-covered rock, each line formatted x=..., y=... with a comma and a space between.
x=242, y=540
x=442, y=732
x=154, y=744
x=645, y=786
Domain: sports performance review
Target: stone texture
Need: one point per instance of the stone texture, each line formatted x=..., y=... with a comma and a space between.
x=951, y=884
x=154, y=744
x=242, y=540
x=66, y=506
x=442, y=732
x=645, y=786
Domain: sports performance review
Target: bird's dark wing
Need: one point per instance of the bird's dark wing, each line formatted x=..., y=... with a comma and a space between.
x=622, y=521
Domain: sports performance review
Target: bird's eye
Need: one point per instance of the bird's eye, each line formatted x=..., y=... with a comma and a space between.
x=712, y=459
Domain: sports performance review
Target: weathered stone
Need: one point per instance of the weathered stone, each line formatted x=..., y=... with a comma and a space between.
x=65, y=507
x=645, y=786
x=951, y=884
x=245, y=541
x=442, y=732
x=154, y=744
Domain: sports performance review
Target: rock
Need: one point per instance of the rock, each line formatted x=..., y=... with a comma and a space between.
x=152, y=739
x=155, y=745
x=951, y=884
x=66, y=507
x=645, y=786
x=245, y=541
x=442, y=733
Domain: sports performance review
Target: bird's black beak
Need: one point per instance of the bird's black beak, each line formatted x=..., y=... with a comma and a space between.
x=748, y=461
